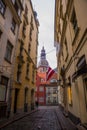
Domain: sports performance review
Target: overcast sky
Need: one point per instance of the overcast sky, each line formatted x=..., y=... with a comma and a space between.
x=45, y=12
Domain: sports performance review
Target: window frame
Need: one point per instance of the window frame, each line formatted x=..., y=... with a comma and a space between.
x=19, y=73
x=0, y=33
x=85, y=91
x=3, y=6
x=27, y=70
x=13, y=26
x=8, y=53
x=41, y=89
x=4, y=83
x=74, y=21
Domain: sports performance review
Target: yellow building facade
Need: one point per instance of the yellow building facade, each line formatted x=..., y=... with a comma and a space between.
x=24, y=78
x=70, y=37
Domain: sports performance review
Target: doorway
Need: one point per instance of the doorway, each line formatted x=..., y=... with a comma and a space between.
x=32, y=99
x=15, y=100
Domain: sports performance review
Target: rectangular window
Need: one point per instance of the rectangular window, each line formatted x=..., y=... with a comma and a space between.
x=13, y=26
x=30, y=36
x=42, y=80
x=29, y=47
x=66, y=49
x=26, y=10
x=16, y=6
x=8, y=53
x=49, y=89
x=41, y=99
x=19, y=73
x=49, y=100
x=33, y=74
x=0, y=33
x=54, y=90
x=24, y=30
x=3, y=88
x=69, y=95
x=13, y=1
x=74, y=21
x=41, y=89
x=2, y=7
x=36, y=89
x=27, y=70
x=85, y=91
x=2, y=92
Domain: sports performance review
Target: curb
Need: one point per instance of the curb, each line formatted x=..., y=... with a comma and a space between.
x=17, y=118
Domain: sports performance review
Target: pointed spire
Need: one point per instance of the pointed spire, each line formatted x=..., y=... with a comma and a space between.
x=43, y=61
x=43, y=54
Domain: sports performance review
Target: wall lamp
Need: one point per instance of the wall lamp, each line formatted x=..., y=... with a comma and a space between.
x=60, y=83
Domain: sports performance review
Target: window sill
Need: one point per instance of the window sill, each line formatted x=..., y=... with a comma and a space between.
x=7, y=60
x=27, y=77
x=32, y=82
x=2, y=15
x=76, y=35
x=13, y=31
x=18, y=82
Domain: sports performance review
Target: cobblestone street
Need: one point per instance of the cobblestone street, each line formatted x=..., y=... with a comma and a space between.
x=47, y=118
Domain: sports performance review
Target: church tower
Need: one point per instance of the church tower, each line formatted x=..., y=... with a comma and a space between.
x=42, y=85
x=43, y=63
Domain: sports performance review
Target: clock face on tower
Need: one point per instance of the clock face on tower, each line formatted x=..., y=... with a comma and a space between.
x=42, y=69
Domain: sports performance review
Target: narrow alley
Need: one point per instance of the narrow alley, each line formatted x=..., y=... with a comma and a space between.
x=45, y=118
x=43, y=65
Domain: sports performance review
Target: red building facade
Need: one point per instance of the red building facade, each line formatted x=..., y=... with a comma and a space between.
x=41, y=83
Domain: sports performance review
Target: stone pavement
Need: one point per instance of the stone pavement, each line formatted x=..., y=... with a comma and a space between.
x=45, y=118
x=15, y=117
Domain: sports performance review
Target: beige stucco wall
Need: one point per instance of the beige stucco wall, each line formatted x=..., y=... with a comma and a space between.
x=78, y=107
x=26, y=82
